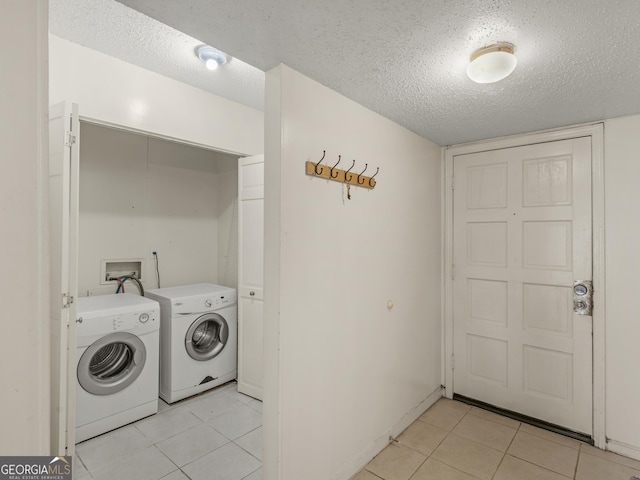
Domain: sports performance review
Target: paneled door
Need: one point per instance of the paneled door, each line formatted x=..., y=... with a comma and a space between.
x=64, y=161
x=250, y=274
x=521, y=238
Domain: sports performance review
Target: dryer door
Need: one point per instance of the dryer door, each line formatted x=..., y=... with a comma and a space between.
x=112, y=363
x=207, y=337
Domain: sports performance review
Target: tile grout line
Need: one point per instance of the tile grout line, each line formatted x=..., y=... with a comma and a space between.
x=130, y=454
x=449, y=433
x=550, y=441
x=197, y=458
x=535, y=433
x=163, y=454
x=369, y=471
x=507, y=449
x=540, y=466
x=427, y=457
x=247, y=476
x=575, y=470
x=504, y=454
x=244, y=449
x=185, y=474
x=418, y=467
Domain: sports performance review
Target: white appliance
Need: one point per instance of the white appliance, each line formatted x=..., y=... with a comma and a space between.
x=198, y=338
x=118, y=362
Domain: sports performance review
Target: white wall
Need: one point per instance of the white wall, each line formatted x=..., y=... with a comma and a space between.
x=119, y=93
x=24, y=328
x=349, y=371
x=622, y=237
x=139, y=194
x=228, y=224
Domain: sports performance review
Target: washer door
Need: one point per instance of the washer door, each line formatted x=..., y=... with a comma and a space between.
x=111, y=363
x=206, y=337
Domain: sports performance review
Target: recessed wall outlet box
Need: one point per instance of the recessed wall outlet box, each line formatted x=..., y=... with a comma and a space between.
x=111, y=269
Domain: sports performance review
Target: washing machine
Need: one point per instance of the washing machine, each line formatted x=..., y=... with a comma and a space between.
x=118, y=362
x=198, y=338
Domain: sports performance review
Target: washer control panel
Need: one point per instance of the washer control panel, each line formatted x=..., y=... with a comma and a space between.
x=129, y=321
x=103, y=314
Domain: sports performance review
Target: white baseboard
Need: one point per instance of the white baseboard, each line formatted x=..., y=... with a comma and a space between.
x=354, y=466
x=625, y=449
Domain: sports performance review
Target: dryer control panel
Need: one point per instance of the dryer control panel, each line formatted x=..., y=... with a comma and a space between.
x=218, y=301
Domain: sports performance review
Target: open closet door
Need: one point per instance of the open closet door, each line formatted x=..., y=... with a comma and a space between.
x=250, y=274
x=64, y=129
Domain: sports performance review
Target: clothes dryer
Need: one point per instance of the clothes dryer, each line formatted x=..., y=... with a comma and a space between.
x=198, y=338
x=118, y=362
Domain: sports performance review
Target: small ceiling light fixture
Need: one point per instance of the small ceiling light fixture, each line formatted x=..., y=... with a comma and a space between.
x=493, y=63
x=211, y=57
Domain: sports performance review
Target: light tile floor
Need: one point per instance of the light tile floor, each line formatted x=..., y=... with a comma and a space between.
x=212, y=436
x=454, y=441
x=218, y=435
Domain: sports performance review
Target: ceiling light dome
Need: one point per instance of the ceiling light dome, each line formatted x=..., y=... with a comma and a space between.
x=211, y=57
x=491, y=64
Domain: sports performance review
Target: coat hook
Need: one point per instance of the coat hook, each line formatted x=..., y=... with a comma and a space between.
x=347, y=180
x=365, y=169
x=331, y=173
x=316, y=166
x=377, y=170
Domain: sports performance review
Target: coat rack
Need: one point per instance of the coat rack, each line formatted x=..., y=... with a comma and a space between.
x=339, y=175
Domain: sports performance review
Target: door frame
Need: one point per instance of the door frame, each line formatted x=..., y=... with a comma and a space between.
x=67, y=410
x=64, y=150
x=596, y=132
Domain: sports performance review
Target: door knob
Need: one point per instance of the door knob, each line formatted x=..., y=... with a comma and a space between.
x=252, y=293
x=580, y=306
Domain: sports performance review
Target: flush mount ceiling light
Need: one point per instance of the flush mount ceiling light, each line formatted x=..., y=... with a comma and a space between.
x=491, y=64
x=211, y=57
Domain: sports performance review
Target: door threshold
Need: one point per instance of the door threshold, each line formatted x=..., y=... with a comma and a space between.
x=582, y=437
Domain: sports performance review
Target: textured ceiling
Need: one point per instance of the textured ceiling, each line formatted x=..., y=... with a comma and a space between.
x=578, y=60
x=119, y=31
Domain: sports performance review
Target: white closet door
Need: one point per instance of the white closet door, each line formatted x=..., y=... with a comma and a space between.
x=522, y=236
x=250, y=272
x=64, y=138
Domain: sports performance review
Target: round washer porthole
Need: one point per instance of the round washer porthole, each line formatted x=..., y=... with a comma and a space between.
x=206, y=337
x=111, y=363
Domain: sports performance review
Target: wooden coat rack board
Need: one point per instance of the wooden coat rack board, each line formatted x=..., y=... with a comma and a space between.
x=339, y=175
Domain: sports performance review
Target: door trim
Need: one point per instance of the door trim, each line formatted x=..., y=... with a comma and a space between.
x=596, y=132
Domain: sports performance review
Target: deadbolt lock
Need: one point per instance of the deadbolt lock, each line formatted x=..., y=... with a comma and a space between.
x=583, y=297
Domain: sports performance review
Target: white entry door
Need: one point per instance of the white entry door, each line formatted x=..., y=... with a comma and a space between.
x=522, y=236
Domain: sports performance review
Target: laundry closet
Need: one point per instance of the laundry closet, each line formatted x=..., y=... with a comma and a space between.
x=139, y=195
x=172, y=214
x=160, y=206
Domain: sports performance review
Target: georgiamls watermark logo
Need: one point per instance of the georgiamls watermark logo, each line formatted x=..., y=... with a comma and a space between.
x=35, y=468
